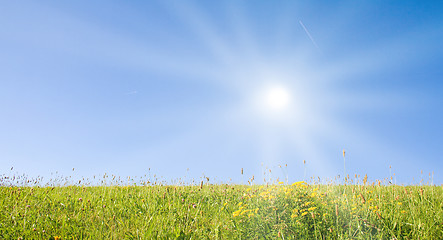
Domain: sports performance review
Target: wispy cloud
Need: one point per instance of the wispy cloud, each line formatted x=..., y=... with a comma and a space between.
x=131, y=93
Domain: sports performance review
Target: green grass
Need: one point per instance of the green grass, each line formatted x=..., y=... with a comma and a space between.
x=298, y=211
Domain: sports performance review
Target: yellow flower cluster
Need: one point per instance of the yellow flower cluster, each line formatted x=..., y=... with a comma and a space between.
x=303, y=196
x=242, y=210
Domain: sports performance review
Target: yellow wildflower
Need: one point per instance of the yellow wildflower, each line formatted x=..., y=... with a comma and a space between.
x=298, y=183
x=263, y=194
x=312, y=208
x=236, y=213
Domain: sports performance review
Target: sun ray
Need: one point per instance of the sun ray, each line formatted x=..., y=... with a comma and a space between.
x=107, y=47
x=202, y=27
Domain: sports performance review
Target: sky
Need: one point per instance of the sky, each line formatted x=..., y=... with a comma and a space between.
x=183, y=90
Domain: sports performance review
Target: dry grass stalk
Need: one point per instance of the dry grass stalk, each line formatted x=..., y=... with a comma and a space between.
x=363, y=200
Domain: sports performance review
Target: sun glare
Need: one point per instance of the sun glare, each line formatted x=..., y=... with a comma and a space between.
x=277, y=98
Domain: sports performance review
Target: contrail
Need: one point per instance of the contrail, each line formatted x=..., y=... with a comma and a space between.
x=309, y=35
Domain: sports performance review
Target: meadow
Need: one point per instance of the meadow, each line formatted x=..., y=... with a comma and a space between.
x=280, y=210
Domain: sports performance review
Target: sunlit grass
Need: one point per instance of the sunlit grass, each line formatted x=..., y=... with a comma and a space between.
x=221, y=211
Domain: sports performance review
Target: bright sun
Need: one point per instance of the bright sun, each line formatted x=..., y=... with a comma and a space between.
x=277, y=98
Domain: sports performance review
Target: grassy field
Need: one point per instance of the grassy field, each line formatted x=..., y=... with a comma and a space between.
x=274, y=211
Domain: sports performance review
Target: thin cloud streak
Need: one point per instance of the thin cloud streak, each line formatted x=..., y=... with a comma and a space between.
x=131, y=93
x=309, y=35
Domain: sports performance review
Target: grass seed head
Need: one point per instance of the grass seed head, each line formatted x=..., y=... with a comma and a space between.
x=363, y=200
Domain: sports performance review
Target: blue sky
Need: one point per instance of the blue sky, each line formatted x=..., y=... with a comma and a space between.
x=182, y=89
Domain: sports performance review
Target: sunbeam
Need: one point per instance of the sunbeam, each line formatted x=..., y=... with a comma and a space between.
x=238, y=83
